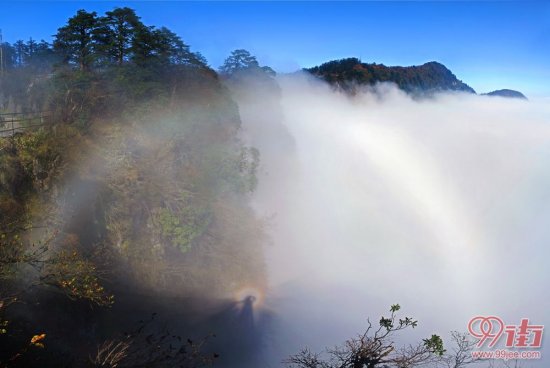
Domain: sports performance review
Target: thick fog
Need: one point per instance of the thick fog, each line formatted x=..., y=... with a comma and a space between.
x=441, y=204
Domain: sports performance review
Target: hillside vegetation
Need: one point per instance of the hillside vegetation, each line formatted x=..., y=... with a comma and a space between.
x=133, y=195
x=423, y=79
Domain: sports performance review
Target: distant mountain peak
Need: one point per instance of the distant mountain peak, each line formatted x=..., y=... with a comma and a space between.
x=435, y=64
x=419, y=79
x=507, y=93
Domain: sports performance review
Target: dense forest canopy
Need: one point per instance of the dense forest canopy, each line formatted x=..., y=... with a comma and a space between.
x=427, y=78
x=115, y=54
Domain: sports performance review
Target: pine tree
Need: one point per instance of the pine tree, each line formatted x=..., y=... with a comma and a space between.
x=77, y=41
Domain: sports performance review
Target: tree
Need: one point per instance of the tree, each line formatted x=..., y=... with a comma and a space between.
x=242, y=60
x=168, y=47
x=31, y=48
x=143, y=45
x=176, y=51
x=375, y=348
x=42, y=57
x=163, y=47
x=238, y=60
x=8, y=60
x=77, y=40
x=461, y=354
x=65, y=270
x=241, y=71
x=20, y=52
x=121, y=26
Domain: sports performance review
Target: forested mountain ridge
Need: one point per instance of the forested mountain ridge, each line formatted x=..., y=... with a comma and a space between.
x=130, y=200
x=426, y=78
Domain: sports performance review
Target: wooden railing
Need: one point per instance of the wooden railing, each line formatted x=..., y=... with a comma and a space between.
x=17, y=122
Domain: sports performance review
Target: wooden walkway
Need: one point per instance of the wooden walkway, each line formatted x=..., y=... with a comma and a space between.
x=18, y=122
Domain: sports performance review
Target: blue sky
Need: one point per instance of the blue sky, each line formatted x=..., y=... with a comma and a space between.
x=487, y=44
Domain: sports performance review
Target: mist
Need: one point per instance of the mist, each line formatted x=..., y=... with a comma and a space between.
x=436, y=203
x=157, y=211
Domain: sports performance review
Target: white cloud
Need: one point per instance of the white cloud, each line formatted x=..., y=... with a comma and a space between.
x=439, y=204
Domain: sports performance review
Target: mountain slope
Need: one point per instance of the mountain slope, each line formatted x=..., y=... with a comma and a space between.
x=426, y=78
x=507, y=93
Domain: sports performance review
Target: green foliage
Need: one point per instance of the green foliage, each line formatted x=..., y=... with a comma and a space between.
x=77, y=95
x=89, y=41
x=388, y=323
x=27, y=87
x=25, y=266
x=152, y=133
x=66, y=269
x=77, y=41
x=239, y=60
x=119, y=34
x=14, y=253
x=37, y=152
x=347, y=73
x=183, y=227
x=30, y=162
x=241, y=66
x=435, y=345
x=76, y=277
x=228, y=170
x=106, y=62
x=251, y=83
x=375, y=348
